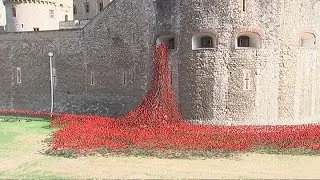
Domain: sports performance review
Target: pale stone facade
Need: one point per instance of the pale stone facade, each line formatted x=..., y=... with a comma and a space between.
x=83, y=12
x=36, y=15
x=88, y=9
x=232, y=62
x=49, y=15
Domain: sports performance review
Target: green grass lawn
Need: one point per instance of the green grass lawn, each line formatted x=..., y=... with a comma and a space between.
x=20, y=148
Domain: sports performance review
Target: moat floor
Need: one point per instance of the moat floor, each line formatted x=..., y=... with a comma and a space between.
x=21, y=146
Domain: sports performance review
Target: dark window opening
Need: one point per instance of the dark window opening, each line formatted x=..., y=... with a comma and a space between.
x=51, y=13
x=207, y=42
x=87, y=7
x=244, y=5
x=75, y=10
x=35, y=29
x=124, y=78
x=243, y=41
x=171, y=43
x=92, y=79
x=66, y=18
x=14, y=12
x=100, y=6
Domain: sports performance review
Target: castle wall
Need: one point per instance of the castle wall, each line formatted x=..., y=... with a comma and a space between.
x=29, y=52
x=99, y=69
x=259, y=104
x=299, y=73
x=120, y=54
x=105, y=68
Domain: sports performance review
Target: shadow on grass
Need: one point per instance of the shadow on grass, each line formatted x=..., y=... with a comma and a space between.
x=176, y=154
x=285, y=151
x=13, y=118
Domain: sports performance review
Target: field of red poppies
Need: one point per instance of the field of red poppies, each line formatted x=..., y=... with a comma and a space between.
x=157, y=124
x=85, y=132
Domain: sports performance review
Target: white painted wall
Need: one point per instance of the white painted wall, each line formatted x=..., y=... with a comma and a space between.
x=36, y=15
x=2, y=14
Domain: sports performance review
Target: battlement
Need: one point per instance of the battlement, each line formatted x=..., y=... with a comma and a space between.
x=51, y=2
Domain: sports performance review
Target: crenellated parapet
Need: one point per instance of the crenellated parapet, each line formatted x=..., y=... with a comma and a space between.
x=49, y=2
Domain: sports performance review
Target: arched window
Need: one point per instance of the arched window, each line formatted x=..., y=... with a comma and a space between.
x=168, y=40
x=66, y=18
x=308, y=40
x=248, y=40
x=203, y=40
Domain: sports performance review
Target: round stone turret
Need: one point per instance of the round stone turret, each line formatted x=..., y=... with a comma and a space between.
x=243, y=61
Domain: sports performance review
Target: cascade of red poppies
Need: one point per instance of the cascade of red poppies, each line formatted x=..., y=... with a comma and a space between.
x=159, y=105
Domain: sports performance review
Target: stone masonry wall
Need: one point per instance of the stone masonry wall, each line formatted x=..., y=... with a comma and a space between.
x=105, y=68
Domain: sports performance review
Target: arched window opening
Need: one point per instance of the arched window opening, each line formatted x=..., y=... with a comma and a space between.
x=203, y=41
x=248, y=40
x=66, y=18
x=168, y=40
x=308, y=40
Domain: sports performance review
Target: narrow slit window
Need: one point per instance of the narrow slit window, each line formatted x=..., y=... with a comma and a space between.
x=51, y=13
x=247, y=79
x=75, y=10
x=19, y=75
x=14, y=12
x=100, y=5
x=244, y=5
x=87, y=7
x=133, y=37
x=92, y=79
x=124, y=78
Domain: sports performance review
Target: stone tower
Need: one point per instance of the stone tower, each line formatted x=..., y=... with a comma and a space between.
x=243, y=61
x=36, y=15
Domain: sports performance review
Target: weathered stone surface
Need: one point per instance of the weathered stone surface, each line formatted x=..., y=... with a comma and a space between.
x=105, y=68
